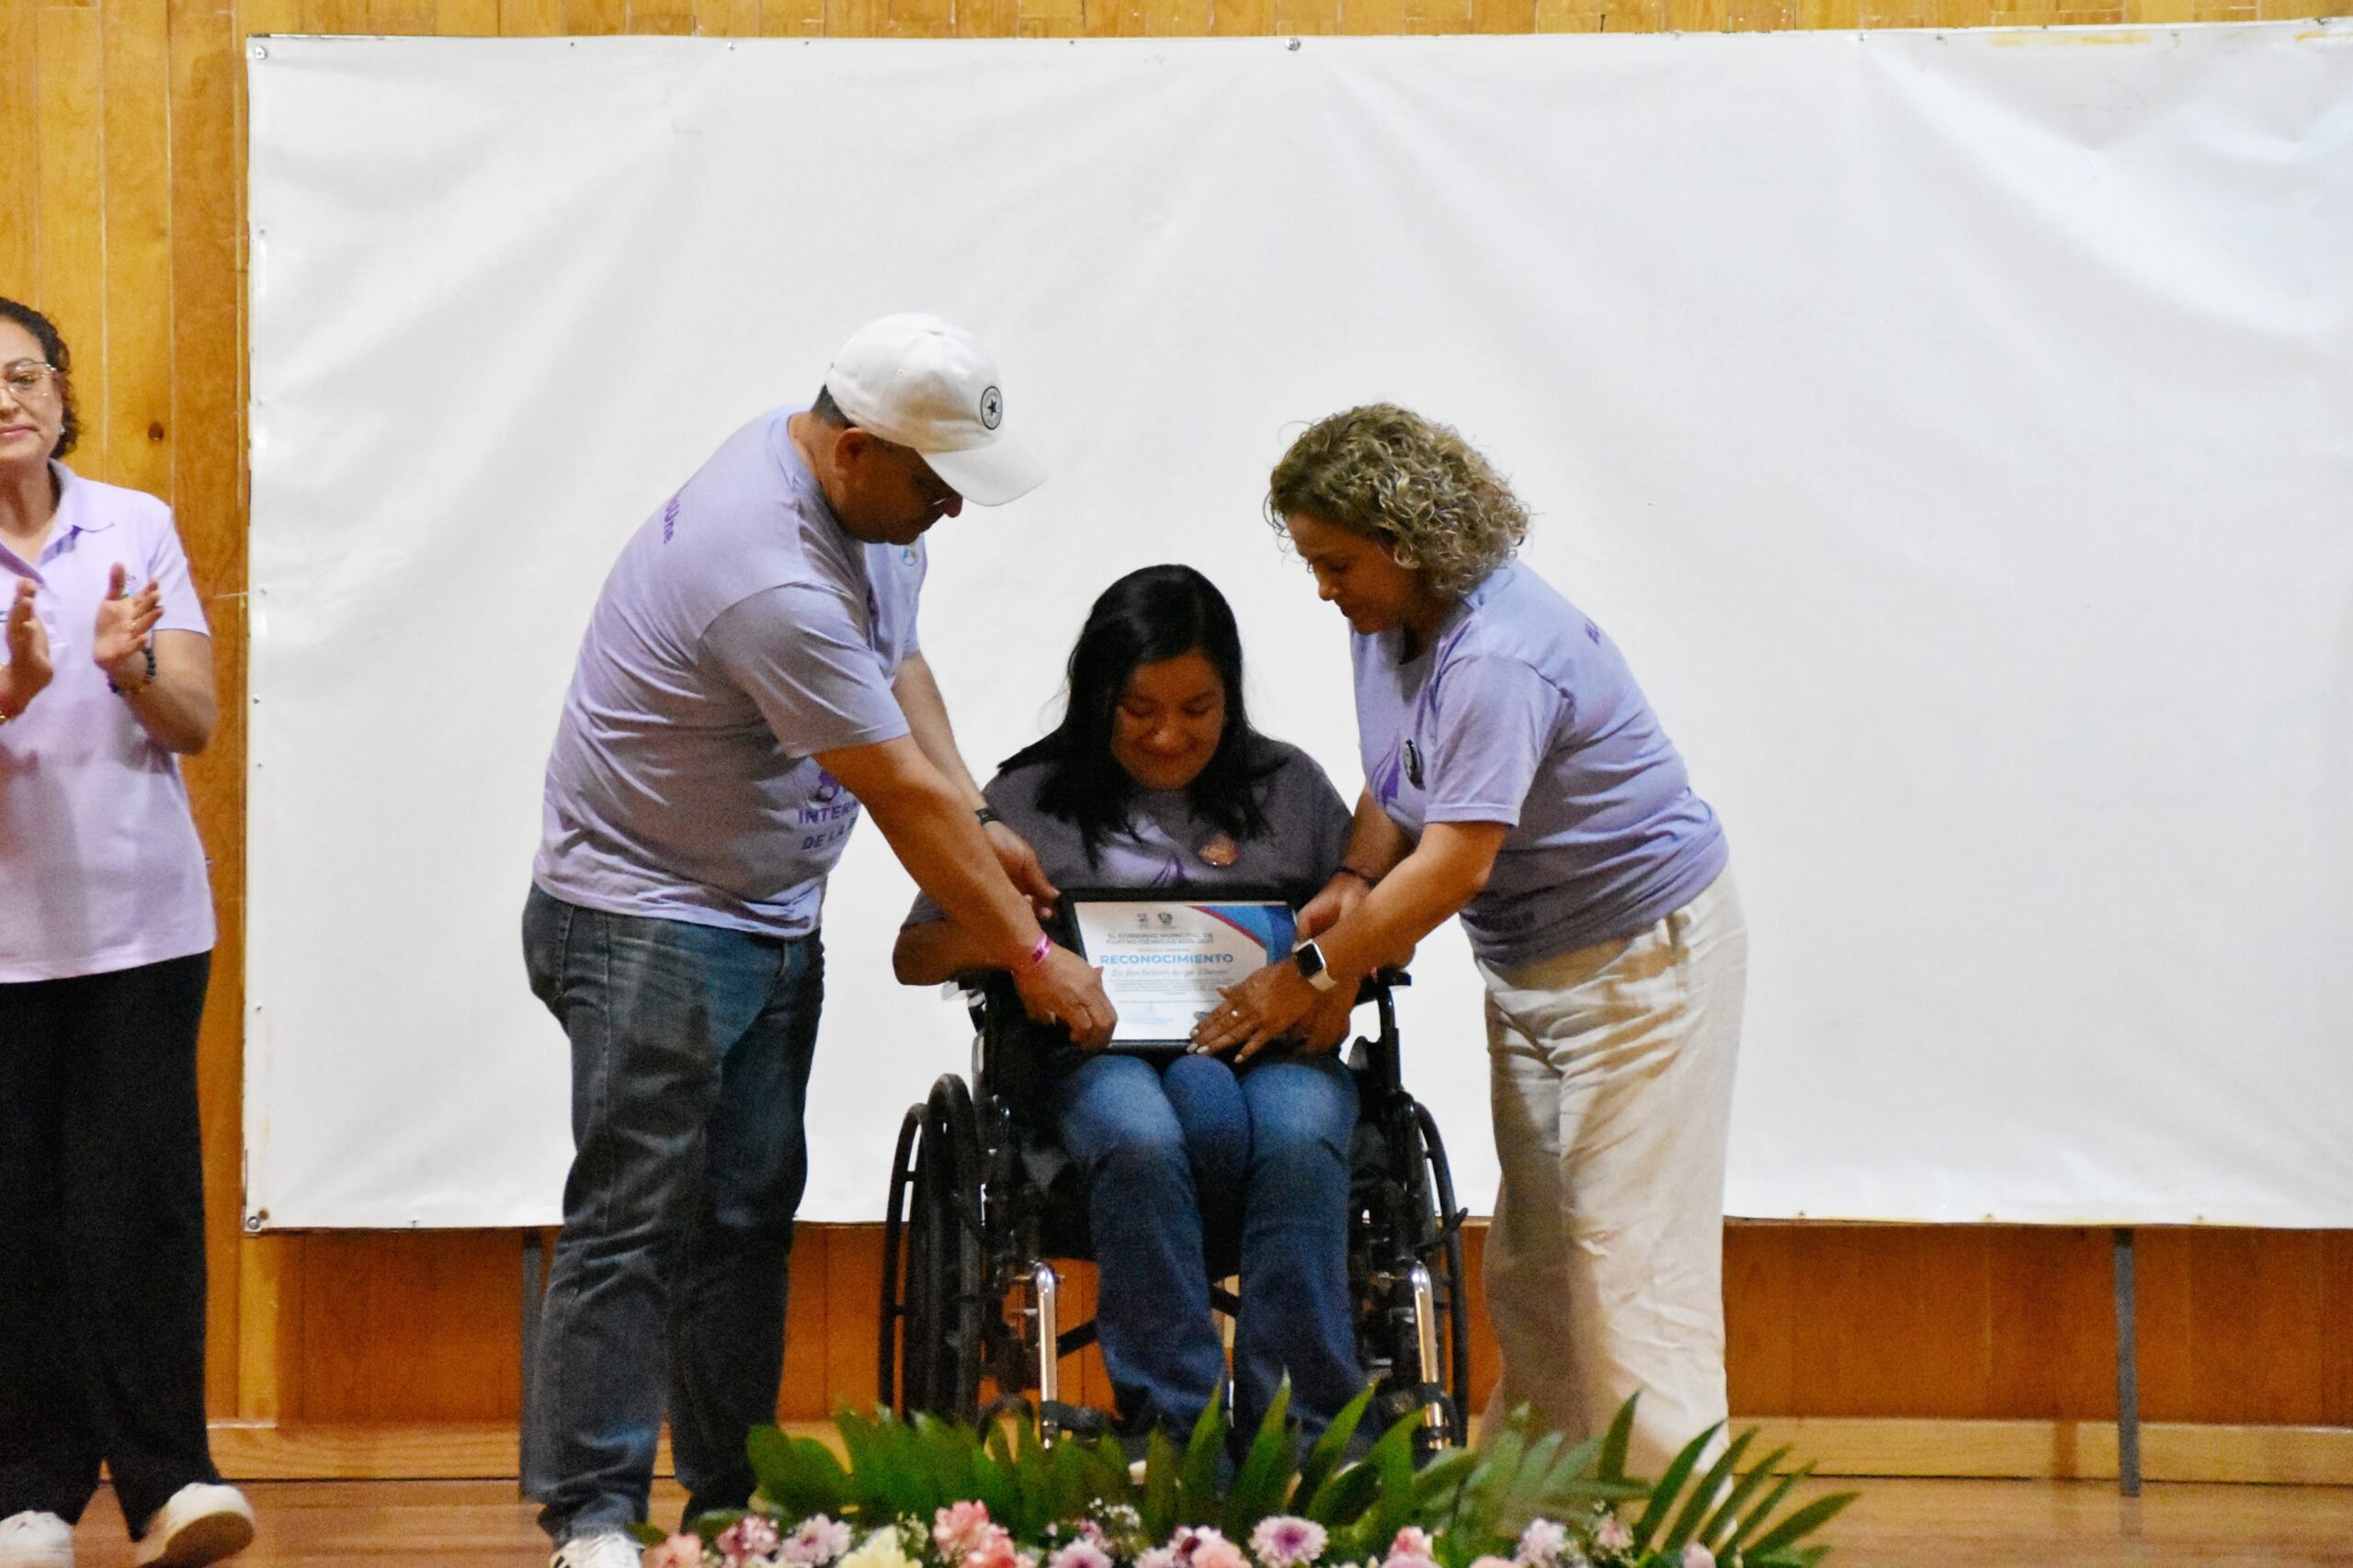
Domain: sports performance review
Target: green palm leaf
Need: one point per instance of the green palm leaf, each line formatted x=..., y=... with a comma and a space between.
x=1755, y=1516
x=1197, y=1498
x=1799, y=1525
x=1260, y=1486
x=1670, y=1486
x=1325, y=1457
x=1616, y=1442
x=1158, y=1506
x=1704, y=1495
x=1727, y=1514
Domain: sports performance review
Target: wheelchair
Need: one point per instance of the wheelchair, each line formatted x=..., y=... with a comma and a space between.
x=983, y=1199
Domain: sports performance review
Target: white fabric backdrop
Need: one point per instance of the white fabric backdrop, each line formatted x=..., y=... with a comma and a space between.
x=1955, y=429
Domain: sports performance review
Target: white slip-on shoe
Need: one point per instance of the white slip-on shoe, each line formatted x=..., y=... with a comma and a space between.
x=32, y=1539
x=606, y=1549
x=201, y=1523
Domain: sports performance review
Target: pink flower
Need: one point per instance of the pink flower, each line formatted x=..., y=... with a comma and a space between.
x=818, y=1540
x=1490, y=1563
x=1285, y=1540
x=1190, y=1538
x=959, y=1530
x=1158, y=1557
x=749, y=1536
x=1219, y=1552
x=1611, y=1535
x=1540, y=1544
x=1080, y=1554
x=1697, y=1556
x=995, y=1550
x=678, y=1551
x=1410, y=1550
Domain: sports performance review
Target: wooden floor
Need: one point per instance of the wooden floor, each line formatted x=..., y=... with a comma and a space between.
x=1898, y=1524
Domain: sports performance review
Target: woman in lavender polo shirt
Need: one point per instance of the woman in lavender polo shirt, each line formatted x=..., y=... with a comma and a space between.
x=106, y=943
x=1154, y=778
x=1517, y=777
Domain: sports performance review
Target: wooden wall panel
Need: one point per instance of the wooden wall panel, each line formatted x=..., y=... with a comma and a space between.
x=20, y=121
x=124, y=122
x=69, y=272
x=1967, y=1323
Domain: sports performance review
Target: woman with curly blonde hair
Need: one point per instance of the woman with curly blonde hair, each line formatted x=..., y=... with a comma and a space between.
x=1518, y=777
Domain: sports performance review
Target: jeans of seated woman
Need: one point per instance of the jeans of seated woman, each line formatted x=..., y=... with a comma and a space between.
x=1168, y=1149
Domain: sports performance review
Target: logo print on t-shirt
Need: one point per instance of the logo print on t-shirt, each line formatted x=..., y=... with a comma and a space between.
x=1412, y=764
x=828, y=788
x=669, y=518
x=1384, y=782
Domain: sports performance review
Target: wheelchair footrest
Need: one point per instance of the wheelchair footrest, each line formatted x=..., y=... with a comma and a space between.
x=1074, y=1420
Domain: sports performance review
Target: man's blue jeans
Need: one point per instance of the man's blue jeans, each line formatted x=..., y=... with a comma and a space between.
x=690, y=1051
x=1170, y=1149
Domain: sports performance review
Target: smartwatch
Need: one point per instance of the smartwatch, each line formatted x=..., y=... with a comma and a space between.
x=1308, y=959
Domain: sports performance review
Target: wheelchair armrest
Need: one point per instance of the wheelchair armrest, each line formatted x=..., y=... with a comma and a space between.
x=979, y=990
x=1380, y=981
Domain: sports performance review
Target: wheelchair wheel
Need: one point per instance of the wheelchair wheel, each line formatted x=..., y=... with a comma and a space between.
x=932, y=1264
x=1449, y=1289
x=895, y=1303
x=1413, y=1331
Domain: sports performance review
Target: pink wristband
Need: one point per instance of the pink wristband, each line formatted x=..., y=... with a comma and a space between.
x=1037, y=954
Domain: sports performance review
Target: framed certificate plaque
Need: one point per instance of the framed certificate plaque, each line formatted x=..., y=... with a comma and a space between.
x=1165, y=956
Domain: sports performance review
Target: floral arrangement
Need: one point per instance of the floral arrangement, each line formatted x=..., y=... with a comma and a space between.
x=928, y=1494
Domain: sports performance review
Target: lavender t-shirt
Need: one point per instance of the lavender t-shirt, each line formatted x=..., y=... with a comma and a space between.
x=1523, y=712
x=741, y=632
x=1166, y=846
x=101, y=867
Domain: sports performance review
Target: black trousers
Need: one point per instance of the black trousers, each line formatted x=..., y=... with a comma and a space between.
x=101, y=1240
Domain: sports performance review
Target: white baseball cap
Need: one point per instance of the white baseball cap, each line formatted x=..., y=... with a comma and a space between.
x=915, y=379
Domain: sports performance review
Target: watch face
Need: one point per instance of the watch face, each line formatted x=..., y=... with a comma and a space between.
x=1310, y=960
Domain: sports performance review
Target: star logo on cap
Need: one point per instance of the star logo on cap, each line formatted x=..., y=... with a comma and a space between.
x=991, y=408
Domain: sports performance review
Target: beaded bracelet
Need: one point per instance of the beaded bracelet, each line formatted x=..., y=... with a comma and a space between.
x=148, y=649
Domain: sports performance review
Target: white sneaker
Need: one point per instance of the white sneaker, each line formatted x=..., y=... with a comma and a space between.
x=36, y=1541
x=609, y=1549
x=201, y=1523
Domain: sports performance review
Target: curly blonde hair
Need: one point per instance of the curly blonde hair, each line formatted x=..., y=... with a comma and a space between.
x=1416, y=486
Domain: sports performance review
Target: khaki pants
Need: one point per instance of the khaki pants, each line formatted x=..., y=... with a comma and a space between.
x=1612, y=1076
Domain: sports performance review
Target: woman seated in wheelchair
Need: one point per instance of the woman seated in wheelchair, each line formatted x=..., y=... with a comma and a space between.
x=1154, y=778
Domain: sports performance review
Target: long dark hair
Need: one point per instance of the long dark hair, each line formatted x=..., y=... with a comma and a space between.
x=53, y=348
x=1160, y=612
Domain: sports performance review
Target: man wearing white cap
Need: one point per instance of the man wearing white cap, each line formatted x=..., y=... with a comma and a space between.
x=750, y=684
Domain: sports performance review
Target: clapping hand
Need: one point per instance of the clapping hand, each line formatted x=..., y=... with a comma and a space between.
x=29, y=667
x=124, y=625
